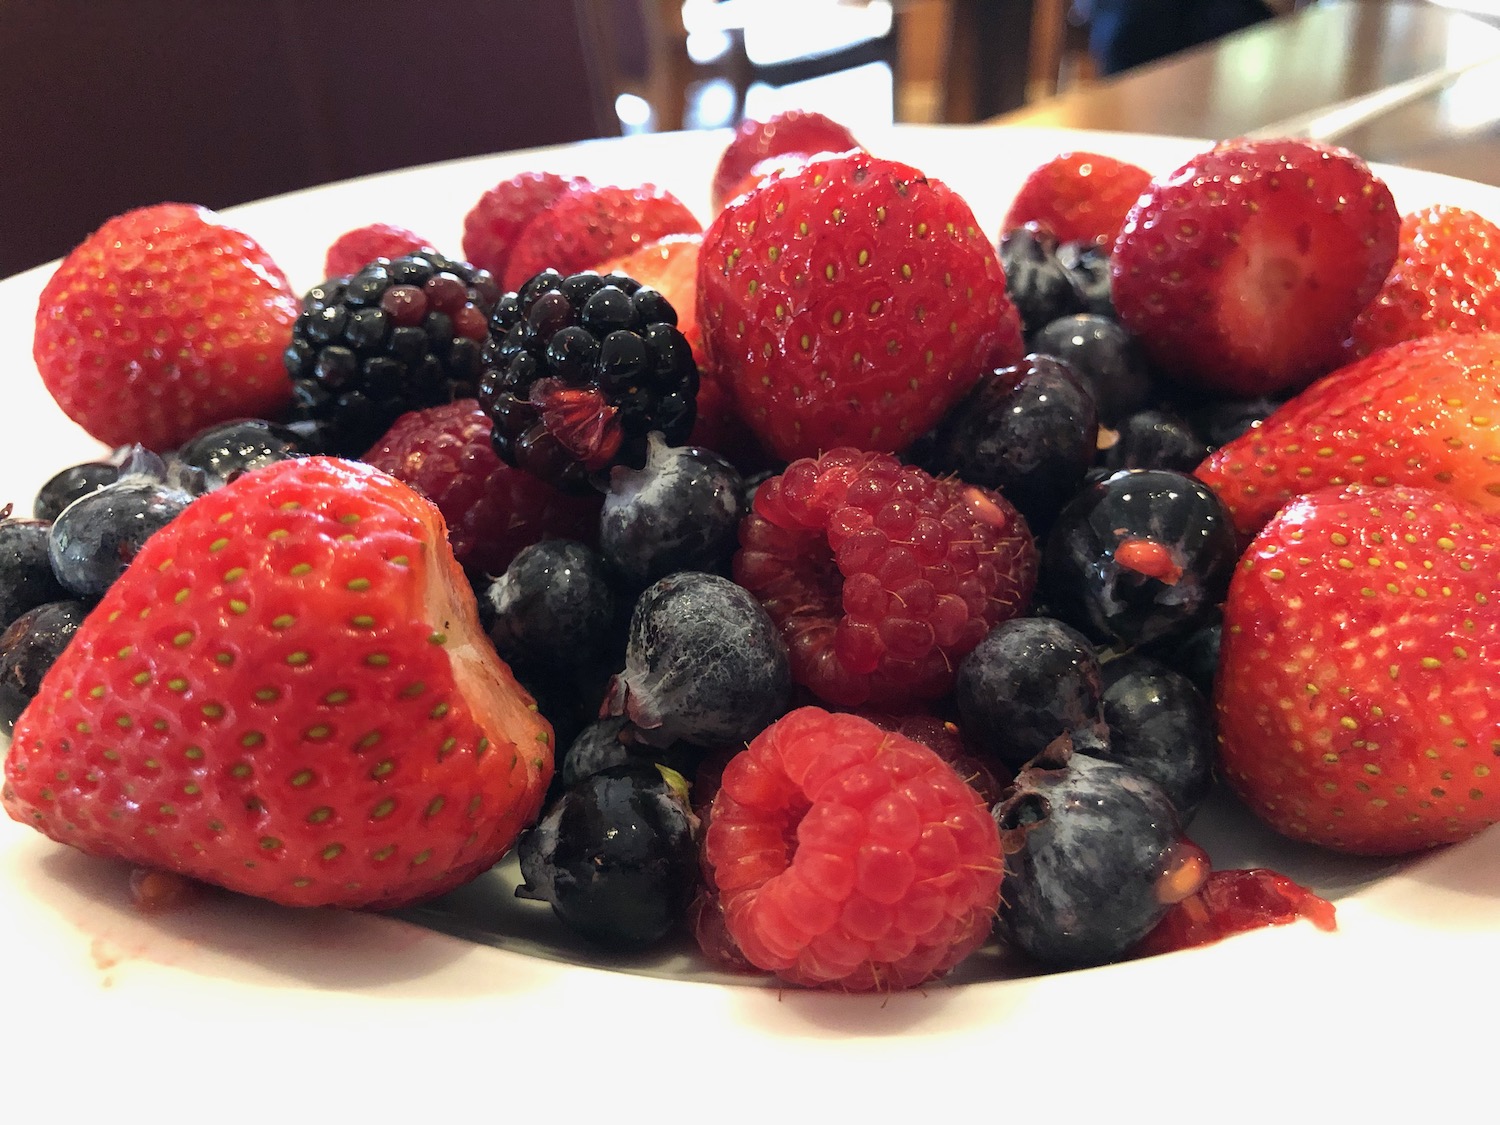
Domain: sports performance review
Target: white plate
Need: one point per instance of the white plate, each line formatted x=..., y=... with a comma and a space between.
x=233, y=1009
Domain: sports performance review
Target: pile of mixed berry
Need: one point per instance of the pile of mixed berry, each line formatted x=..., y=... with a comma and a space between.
x=841, y=582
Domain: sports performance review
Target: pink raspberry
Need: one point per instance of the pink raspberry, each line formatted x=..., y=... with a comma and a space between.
x=880, y=576
x=492, y=224
x=492, y=509
x=846, y=856
x=353, y=250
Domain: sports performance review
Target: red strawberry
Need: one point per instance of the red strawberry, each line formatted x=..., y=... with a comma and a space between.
x=163, y=322
x=1446, y=279
x=796, y=132
x=492, y=510
x=1360, y=651
x=1425, y=413
x=588, y=224
x=1243, y=270
x=851, y=303
x=355, y=249
x=288, y=694
x=497, y=219
x=1078, y=196
x=785, y=163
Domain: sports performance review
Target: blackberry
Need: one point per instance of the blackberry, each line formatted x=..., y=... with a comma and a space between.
x=579, y=370
x=401, y=334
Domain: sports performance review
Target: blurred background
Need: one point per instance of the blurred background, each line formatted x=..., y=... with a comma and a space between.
x=106, y=106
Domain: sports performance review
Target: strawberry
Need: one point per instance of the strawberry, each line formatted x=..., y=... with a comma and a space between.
x=1242, y=271
x=1446, y=279
x=590, y=224
x=784, y=162
x=851, y=302
x=498, y=217
x=288, y=694
x=351, y=251
x=1424, y=413
x=162, y=323
x=1078, y=196
x=794, y=132
x=1360, y=650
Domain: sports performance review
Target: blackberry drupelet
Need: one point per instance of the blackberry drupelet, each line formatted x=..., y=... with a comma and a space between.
x=401, y=334
x=579, y=370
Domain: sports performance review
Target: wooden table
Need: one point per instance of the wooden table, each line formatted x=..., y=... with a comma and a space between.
x=1410, y=83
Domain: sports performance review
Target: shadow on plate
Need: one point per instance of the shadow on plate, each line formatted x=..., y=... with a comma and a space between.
x=241, y=938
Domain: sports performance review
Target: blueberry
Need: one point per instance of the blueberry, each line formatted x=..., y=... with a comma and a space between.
x=568, y=698
x=1028, y=431
x=681, y=511
x=553, y=603
x=615, y=856
x=1031, y=680
x=609, y=742
x=703, y=664
x=1140, y=555
x=1087, y=267
x=1154, y=439
x=1222, y=420
x=228, y=449
x=1094, y=856
x=94, y=539
x=1160, y=725
x=1106, y=357
x=1196, y=655
x=26, y=578
x=1035, y=280
x=65, y=487
x=28, y=647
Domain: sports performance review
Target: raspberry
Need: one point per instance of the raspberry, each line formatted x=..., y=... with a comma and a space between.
x=353, y=250
x=852, y=857
x=492, y=509
x=492, y=224
x=590, y=224
x=880, y=576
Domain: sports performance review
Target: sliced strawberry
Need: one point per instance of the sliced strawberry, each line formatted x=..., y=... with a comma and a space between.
x=590, y=224
x=162, y=323
x=1423, y=413
x=1446, y=279
x=1242, y=271
x=288, y=694
x=1361, y=645
x=1078, y=196
x=851, y=302
x=796, y=132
